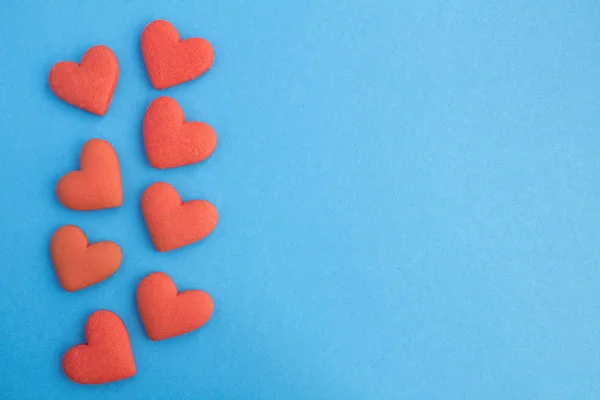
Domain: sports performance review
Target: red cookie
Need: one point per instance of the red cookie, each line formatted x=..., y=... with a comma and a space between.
x=107, y=356
x=98, y=184
x=80, y=264
x=89, y=85
x=172, y=223
x=167, y=313
x=170, y=60
x=172, y=142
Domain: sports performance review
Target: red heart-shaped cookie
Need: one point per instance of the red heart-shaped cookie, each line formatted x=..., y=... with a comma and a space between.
x=98, y=184
x=170, y=60
x=89, y=85
x=167, y=313
x=79, y=264
x=171, y=222
x=106, y=357
x=172, y=142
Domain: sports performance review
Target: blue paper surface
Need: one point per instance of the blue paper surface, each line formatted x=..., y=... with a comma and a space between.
x=408, y=193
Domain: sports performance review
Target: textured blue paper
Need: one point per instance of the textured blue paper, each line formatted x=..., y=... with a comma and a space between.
x=409, y=197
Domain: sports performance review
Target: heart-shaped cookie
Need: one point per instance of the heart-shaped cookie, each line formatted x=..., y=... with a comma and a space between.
x=79, y=264
x=171, y=222
x=106, y=357
x=166, y=312
x=89, y=85
x=170, y=60
x=170, y=140
x=97, y=184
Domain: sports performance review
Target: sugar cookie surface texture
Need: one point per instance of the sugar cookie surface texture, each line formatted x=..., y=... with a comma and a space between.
x=173, y=223
x=106, y=357
x=170, y=60
x=97, y=184
x=89, y=85
x=170, y=141
x=166, y=312
x=78, y=263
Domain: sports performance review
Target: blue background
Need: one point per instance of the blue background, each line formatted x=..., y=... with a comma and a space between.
x=408, y=191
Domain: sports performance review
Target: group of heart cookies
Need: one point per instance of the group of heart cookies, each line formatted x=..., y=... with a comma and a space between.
x=170, y=142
